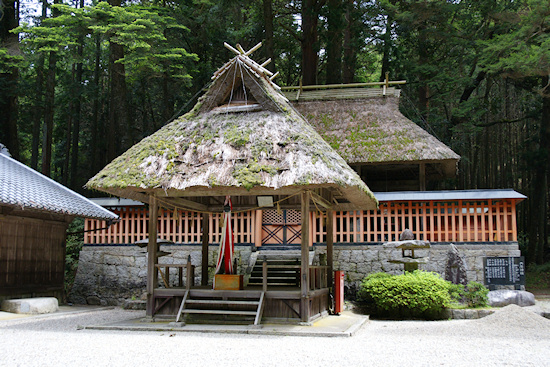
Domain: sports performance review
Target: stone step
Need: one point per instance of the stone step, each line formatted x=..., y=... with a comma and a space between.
x=31, y=306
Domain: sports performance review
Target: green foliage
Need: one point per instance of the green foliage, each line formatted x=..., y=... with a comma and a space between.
x=144, y=33
x=8, y=61
x=413, y=294
x=475, y=295
x=72, y=251
x=456, y=292
x=537, y=277
x=523, y=46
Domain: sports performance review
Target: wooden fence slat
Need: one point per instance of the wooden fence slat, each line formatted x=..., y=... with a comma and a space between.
x=462, y=221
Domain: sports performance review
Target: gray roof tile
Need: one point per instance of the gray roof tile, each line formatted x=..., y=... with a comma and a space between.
x=23, y=187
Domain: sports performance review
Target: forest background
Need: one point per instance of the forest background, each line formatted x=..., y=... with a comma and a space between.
x=81, y=81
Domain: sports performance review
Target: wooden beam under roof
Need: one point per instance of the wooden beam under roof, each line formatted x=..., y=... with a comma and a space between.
x=184, y=203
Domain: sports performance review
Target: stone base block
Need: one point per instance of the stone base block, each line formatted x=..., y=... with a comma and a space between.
x=31, y=306
x=502, y=298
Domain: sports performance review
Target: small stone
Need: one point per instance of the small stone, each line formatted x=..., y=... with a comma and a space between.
x=407, y=234
x=503, y=297
x=93, y=300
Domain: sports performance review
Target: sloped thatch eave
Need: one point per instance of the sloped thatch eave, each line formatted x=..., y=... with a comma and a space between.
x=371, y=131
x=239, y=154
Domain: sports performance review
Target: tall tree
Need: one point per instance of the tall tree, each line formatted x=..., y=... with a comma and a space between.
x=9, y=47
x=335, y=37
x=310, y=40
x=118, y=107
x=522, y=52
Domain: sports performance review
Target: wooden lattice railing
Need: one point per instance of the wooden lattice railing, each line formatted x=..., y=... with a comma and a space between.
x=457, y=221
x=179, y=227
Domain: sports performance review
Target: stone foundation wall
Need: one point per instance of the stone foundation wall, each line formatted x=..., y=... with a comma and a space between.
x=110, y=275
x=359, y=261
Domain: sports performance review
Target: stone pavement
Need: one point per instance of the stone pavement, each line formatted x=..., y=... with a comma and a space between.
x=344, y=325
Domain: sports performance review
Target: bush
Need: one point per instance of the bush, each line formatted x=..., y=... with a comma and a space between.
x=413, y=294
x=72, y=251
x=475, y=295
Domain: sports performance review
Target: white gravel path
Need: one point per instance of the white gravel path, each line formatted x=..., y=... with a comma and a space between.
x=512, y=337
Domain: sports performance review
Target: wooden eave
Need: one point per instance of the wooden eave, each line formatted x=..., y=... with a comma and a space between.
x=211, y=199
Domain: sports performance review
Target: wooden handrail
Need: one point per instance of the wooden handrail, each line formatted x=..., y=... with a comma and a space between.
x=165, y=276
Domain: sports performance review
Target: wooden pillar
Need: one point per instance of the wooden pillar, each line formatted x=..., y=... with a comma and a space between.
x=258, y=218
x=422, y=176
x=330, y=247
x=204, y=256
x=152, y=273
x=304, y=304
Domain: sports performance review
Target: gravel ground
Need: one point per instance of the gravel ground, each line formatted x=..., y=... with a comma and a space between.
x=513, y=336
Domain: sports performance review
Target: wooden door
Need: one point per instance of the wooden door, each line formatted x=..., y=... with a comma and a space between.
x=281, y=227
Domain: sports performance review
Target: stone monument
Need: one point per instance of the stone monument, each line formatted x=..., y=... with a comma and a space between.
x=455, y=269
x=408, y=245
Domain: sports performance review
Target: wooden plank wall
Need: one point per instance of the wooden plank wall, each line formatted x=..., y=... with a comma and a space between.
x=458, y=221
x=32, y=255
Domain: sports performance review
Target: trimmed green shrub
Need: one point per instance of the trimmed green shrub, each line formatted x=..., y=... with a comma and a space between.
x=456, y=291
x=475, y=295
x=417, y=294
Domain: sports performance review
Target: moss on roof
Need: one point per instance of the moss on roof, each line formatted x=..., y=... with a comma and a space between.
x=273, y=148
x=373, y=131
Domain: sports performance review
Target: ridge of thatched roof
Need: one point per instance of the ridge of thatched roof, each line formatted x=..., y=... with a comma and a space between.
x=267, y=148
x=373, y=131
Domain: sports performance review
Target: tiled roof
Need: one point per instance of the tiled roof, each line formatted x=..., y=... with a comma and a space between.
x=23, y=187
x=449, y=195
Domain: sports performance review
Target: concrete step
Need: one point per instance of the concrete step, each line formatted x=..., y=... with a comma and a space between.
x=31, y=306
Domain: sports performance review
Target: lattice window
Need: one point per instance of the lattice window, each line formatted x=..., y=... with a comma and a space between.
x=293, y=217
x=272, y=217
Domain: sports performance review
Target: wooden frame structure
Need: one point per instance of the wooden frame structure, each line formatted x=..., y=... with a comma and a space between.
x=304, y=303
x=479, y=220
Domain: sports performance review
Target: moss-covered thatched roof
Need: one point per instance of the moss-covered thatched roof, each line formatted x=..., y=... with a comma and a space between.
x=266, y=148
x=373, y=131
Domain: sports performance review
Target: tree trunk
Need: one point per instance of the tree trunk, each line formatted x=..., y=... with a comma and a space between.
x=96, y=145
x=49, y=111
x=268, y=28
x=423, y=59
x=336, y=26
x=38, y=109
x=538, y=231
x=350, y=54
x=386, y=49
x=77, y=112
x=8, y=80
x=167, y=99
x=117, y=97
x=309, y=42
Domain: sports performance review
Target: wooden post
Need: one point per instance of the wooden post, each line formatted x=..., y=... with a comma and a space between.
x=152, y=273
x=422, y=176
x=264, y=276
x=330, y=247
x=304, y=309
x=190, y=278
x=204, y=256
x=258, y=217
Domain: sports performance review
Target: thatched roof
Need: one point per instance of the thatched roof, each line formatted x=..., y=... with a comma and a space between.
x=242, y=138
x=373, y=131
